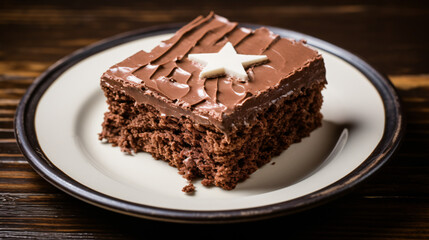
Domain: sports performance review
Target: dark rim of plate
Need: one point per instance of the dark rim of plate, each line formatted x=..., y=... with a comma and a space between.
x=25, y=133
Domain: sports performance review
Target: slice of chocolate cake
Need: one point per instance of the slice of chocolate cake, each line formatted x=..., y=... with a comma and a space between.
x=216, y=100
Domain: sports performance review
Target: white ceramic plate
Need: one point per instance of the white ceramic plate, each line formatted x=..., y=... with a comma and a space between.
x=59, y=119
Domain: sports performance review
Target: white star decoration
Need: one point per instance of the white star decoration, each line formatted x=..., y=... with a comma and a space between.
x=226, y=61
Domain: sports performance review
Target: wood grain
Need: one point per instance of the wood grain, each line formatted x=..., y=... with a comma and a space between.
x=390, y=35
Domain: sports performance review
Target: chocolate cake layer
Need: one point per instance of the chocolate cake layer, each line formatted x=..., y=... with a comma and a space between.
x=200, y=151
x=168, y=80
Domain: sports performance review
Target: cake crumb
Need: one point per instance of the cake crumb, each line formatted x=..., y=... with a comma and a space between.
x=190, y=188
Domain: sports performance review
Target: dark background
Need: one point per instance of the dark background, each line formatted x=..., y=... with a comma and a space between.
x=391, y=35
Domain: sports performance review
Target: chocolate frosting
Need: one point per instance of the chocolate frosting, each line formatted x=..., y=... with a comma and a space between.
x=168, y=80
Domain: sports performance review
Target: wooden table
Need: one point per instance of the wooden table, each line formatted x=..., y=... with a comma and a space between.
x=391, y=36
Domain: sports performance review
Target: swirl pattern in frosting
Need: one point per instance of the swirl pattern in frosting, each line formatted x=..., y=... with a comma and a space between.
x=167, y=70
